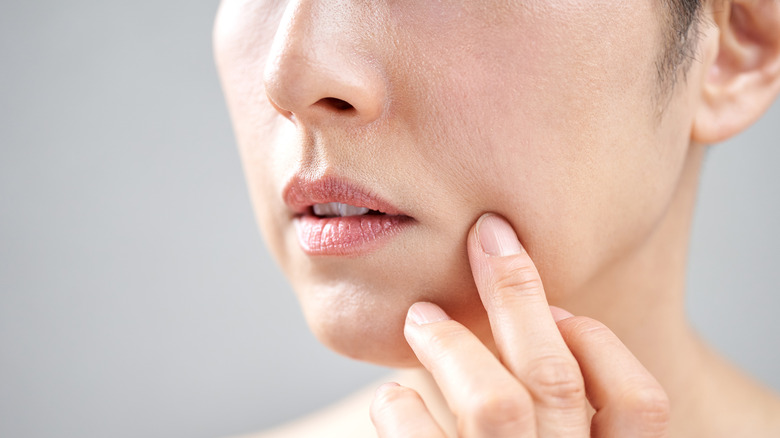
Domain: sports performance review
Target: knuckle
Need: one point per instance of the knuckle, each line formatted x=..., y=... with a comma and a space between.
x=556, y=381
x=648, y=406
x=446, y=337
x=518, y=275
x=497, y=411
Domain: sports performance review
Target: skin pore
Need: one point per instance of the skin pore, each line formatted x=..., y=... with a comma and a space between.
x=543, y=112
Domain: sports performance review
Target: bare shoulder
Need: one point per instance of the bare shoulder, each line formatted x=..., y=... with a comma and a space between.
x=347, y=418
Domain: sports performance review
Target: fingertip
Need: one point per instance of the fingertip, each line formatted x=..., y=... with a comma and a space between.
x=422, y=313
x=559, y=314
x=383, y=392
x=383, y=388
x=496, y=236
x=398, y=411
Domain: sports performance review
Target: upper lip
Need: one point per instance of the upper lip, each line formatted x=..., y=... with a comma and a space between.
x=301, y=193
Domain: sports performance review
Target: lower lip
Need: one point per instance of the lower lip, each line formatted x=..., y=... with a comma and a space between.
x=351, y=235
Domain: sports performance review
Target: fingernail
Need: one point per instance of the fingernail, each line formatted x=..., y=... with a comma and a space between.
x=426, y=313
x=496, y=236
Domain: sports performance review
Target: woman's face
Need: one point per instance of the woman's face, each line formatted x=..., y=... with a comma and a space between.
x=544, y=111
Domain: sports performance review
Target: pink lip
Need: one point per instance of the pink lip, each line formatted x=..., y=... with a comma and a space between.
x=351, y=235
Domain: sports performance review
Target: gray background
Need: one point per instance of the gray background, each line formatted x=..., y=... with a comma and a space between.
x=136, y=297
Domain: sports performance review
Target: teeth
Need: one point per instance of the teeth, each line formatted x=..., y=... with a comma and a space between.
x=332, y=209
x=351, y=210
x=329, y=209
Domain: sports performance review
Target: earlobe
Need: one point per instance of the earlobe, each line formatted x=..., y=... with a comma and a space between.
x=742, y=54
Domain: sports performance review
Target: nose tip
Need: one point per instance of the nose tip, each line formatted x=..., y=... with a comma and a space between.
x=314, y=74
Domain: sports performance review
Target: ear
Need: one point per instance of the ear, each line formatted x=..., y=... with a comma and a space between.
x=743, y=75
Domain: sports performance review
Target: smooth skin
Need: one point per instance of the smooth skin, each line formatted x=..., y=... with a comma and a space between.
x=546, y=366
x=549, y=114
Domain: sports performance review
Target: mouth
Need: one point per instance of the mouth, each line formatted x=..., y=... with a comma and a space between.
x=335, y=217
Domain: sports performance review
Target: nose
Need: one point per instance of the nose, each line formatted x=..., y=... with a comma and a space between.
x=318, y=66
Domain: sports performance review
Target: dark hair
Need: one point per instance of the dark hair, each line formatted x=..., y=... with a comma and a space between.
x=682, y=17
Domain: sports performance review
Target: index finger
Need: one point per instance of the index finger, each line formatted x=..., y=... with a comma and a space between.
x=512, y=292
x=527, y=338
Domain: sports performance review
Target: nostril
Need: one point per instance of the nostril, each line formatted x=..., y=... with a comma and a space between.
x=338, y=104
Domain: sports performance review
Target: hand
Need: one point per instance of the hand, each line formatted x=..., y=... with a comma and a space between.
x=550, y=363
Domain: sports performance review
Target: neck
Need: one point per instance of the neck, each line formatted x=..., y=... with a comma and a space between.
x=641, y=298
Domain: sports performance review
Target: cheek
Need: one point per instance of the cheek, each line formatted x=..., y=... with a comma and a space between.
x=243, y=34
x=561, y=139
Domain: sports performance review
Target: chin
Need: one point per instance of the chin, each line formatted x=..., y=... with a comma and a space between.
x=363, y=318
x=365, y=331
